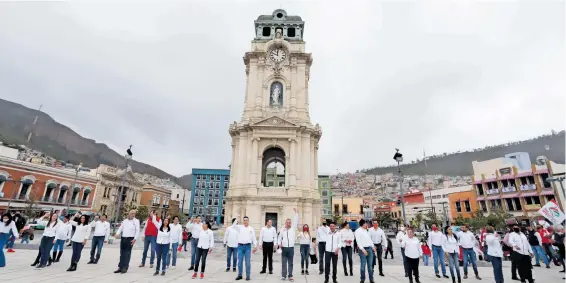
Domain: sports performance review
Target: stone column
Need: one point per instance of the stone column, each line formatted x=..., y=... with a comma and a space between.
x=312, y=171
x=253, y=162
x=298, y=161
x=315, y=166
x=232, y=167
x=306, y=155
x=242, y=159
x=292, y=165
x=235, y=161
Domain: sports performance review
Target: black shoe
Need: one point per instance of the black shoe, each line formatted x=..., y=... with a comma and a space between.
x=239, y=278
x=234, y=270
x=59, y=254
x=227, y=269
x=54, y=258
x=118, y=271
x=41, y=266
x=70, y=268
x=437, y=276
x=320, y=272
x=561, y=271
x=445, y=276
x=262, y=272
x=302, y=272
x=345, y=273
x=191, y=268
x=381, y=274
x=90, y=262
x=271, y=272
x=537, y=265
x=162, y=273
x=306, y=272
x=515, y=278
x=248, y=279
x=124, y=271
x=156, y=273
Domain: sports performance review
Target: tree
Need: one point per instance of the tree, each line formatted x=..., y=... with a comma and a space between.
x=418, y=219
x=31, y=205
x=384, y=218
x=478, y=219
x=460, y=220
x=497, y=217
x=431, y=218
x=143, y=212
x=336, y=218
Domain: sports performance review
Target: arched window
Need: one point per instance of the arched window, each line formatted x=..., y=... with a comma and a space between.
x=273, y=167
x=26, y=186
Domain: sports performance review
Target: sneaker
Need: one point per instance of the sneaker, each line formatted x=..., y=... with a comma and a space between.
x=478, y=277
x=437, y=276
x=239, y=278
x=227, y=269
x=248, y=279
x=202, y=275
x=162, y=273
x=283, y=278
x=194, y=275
x=445, y=276
x=11, y=251
x=173, y=267
x=291, y=279
x=151, y=266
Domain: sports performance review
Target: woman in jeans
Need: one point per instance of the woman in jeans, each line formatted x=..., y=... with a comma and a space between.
x=163, y=243
x=494, y=252
x=204, y=247
x=347, y=237
x=452, y=250
x=51, y=224
x=305, y=241
x=7, y=229
x=63, y=235
x=82, y=231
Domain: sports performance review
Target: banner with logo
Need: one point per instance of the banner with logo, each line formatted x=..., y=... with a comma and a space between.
x=552, y=212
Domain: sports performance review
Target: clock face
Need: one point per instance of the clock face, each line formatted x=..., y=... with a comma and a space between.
x=277, y=55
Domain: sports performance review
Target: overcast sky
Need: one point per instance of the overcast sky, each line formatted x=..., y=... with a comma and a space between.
x=169, y=78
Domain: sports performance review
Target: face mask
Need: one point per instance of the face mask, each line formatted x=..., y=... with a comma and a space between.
x=375, y=226
x=305, y=229
x=434, y=229
x=516, y=230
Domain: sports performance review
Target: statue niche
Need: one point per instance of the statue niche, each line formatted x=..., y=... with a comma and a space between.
x=276, y=94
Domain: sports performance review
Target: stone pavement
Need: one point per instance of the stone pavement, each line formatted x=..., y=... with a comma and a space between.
x=18, y=270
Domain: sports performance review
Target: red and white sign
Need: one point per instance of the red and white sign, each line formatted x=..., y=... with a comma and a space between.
x=552, y=212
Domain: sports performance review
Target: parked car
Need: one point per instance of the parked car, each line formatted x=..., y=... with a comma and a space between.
x=36, y=225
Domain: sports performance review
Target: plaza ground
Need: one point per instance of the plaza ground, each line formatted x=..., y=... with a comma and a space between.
x=18, y=269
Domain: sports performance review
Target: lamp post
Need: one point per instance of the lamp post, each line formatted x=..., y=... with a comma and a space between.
x=444, y=212
x=127, y=157
x=73, y=185
x=399, y=158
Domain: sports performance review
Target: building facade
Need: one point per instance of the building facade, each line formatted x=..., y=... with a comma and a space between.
x=182, y=197
x=109, y=187
x=275, y=130
x=505, y=183
x=210, y=187
x=463, y=204
x=350, y=208
x=439, y=196
x=324, y=188
x=46, y=188
x=158, y=199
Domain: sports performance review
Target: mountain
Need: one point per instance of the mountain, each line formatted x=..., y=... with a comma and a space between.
x=186, y=181
x=460, y=163
x=60, y=142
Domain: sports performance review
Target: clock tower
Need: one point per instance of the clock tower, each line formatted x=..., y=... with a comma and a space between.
x=275, y=146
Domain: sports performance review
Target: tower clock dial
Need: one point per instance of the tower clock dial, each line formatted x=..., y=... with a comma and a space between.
x=277, y=55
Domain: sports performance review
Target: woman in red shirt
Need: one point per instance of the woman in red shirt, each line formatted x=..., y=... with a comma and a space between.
x=426, y=252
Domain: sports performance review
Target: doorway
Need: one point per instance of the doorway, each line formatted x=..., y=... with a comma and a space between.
x=273, y=217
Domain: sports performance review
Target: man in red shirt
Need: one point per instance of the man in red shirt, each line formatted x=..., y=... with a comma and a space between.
x=149, y=238
x=546, y=235
x=185, y=238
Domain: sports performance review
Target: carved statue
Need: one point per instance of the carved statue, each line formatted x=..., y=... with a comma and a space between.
x=276, y=93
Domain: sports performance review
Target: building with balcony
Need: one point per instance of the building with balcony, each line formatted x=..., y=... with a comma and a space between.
x=350, y=208
x=109, y=188
x=507, y=183
x=208, y=193
x=324, y=187
x=158, y=199
x=23, y=183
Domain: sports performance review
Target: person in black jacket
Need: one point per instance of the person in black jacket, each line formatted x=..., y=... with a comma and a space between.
x=389, y=248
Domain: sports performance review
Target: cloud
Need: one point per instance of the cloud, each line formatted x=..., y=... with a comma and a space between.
x=168, y=77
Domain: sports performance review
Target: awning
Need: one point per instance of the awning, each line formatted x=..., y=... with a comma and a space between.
x=524, y=174
x=542, y=171
x=510, y=195
x=530, y=194
x=547, y=193
x=506, y=177
x=493, y=197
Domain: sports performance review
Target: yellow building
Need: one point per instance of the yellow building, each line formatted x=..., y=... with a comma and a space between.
x=351, y=208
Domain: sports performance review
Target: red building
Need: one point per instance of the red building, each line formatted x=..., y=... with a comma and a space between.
x=410, y=197
x=23, y=183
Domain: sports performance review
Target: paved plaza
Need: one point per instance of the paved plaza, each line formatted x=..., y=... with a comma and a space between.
x=18, y=269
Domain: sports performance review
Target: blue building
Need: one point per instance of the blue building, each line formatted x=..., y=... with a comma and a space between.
x=208, y=193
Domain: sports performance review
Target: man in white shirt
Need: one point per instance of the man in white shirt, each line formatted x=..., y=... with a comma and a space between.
x=435, y=239
x=129, y=231
x=99, y=237
x=379, y=240
x=231, y=244
x=468, y=241
x=399, y=238
x=321, y=235
x=522, y=254
x=333, y=245
x=267, y=240
x=367, y=251
x=194, y=226
x=286, y=240
x=246, y=239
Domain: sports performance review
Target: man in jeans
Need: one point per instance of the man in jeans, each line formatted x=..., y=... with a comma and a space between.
x=536, y=241
x=99, y=237
x=286, y=241
x=246, y=239
x=195, y=227
x=435, y=240
x=468, y=241
x=367, y=250
x=149, y=238
x=231, y=244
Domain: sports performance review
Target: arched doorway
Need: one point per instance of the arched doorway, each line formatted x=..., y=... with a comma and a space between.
x=273, y=167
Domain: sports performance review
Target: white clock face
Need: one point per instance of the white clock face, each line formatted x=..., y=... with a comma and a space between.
x=277, y=55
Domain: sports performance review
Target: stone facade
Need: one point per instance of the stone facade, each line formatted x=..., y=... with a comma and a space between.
x=108, y=187
x=275, y=129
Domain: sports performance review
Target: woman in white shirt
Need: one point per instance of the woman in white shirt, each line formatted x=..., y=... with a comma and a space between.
x=347, y=237
x=7, y=228
x=163, y=242
x=413, y=252
x=204, y=247
x=176, y=238
x=305, y=241
x=51, y=223
x=495, y=253
x=452, y=250
x=82, y=231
